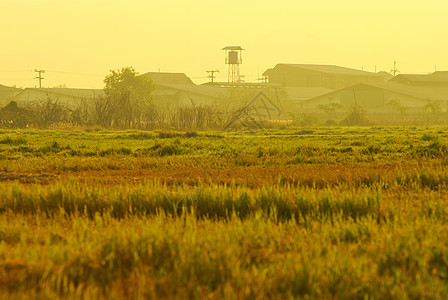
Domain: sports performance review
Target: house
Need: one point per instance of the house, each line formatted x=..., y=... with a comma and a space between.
x=65, y=96
x=326, y=76
x=7, y=94
x=379, y=96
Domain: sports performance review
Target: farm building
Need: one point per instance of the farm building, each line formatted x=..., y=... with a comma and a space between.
x=66, y=96
x=299, y=94
x=379, y=96
x=175, y=89
x=7, y=94
x=163, y=78
x=227, y=96
x=267, y=108
x=186, y=94
x=439, y=78
x=326, y=76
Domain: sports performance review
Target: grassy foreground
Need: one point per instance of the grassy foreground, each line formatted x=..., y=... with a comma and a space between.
x=307, y=213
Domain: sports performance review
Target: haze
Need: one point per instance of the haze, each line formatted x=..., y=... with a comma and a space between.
x=78, y=42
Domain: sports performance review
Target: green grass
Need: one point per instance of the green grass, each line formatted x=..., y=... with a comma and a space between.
x=321, y=213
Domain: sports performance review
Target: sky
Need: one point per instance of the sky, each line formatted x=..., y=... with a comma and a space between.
x=77, y=42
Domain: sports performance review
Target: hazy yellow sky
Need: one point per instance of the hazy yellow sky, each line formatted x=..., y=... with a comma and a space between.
x=79, y=41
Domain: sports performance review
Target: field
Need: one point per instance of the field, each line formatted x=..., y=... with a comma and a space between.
x=319, y=213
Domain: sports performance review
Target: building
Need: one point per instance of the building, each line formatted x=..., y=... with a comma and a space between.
x=7, y=94
x=163, y=78
x=380, y=96
x=299, y=94
x=326, y=76
x=188, y=94
x=176, y=89
x=439, y=78
x=66, y=96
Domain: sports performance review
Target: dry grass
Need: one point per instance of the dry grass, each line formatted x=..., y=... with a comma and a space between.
x=316, y=213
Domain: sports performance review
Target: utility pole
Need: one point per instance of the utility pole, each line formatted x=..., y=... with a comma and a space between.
x=40, y=76
x=263, y=79
x=211, y=74
x=394, y=71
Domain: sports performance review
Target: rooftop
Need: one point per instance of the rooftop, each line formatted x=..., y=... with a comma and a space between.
x=424, y=93
x=305, y=93
x=329, y=69
x=432, y=93
x=168, y=78
x=76, y=93
x=5, y=88
x=232, y=48
x=436, y=77
x=204, y=90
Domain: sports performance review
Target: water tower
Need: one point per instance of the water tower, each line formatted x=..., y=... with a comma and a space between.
x=234, y=60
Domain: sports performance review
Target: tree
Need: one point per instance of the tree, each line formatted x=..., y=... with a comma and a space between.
x=356, y=116
x=396, y=105
x=330, y=108
x=433, y=108
x=127, y=80
x=128, y=99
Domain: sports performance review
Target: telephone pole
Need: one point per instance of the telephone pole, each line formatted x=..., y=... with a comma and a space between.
x=211, y=74
x=263, y=79
x=40, y=76
x=394, y=70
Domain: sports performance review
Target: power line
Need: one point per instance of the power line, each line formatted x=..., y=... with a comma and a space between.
x=212, y=74
x=15, y=71
x=52, y=71
x=17, y=78
x=73, y=73
x=394, y=71
x=40, y=76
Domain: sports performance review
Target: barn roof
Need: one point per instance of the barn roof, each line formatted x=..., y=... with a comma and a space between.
x=4, y=88
x=75, y=93
x=217, y=92
x=169, y=78
x=424, y=93
x=305, y=93
x=440, y=75
x=328, y=69
x=433, y=93
x=436, y=77
x=203, y=90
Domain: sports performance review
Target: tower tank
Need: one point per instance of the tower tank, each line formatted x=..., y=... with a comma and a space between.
x=233, y=58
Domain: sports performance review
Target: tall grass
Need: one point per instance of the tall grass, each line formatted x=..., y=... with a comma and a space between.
x=164, y=257
x=211, y=202
x=334, y=213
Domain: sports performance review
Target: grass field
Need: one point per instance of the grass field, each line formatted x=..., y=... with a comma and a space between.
x=337, y=212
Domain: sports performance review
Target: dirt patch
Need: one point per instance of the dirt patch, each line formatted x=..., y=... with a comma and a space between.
x=27, y=178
